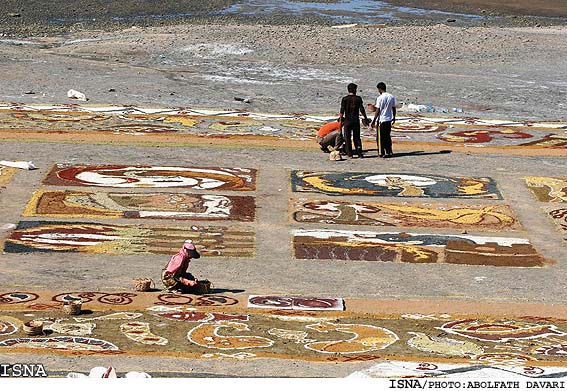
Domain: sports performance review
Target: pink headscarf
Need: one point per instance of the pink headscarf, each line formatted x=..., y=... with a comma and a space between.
x=177, y=261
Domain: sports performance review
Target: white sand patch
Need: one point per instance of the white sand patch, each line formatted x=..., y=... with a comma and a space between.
x=393, y=237
x=233, y=79
x=270, y=75
x=215, y=50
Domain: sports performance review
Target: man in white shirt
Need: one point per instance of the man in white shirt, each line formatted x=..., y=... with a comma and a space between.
x=386, y=115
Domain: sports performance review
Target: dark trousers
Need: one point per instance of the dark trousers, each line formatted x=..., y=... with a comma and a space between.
x=351, y=131
x=172, y=281
x=334, y=139
x=384, y=139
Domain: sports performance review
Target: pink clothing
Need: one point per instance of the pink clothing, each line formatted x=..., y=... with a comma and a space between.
x=179, y=262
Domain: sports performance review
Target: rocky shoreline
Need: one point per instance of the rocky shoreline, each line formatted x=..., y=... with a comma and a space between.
x=494, y=72
x=509, y=72
x=35, y=18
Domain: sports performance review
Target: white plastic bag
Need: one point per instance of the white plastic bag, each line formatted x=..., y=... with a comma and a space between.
x=420, y=108
x=74, y=94
x=24, y=165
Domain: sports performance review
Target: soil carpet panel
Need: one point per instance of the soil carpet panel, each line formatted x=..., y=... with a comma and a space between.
x=147, y=125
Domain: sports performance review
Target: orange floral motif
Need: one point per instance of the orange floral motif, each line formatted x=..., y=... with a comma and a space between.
x=365, y=338
x=206, y=335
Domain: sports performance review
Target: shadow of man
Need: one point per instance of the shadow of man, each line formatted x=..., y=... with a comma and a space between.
x=418, y=153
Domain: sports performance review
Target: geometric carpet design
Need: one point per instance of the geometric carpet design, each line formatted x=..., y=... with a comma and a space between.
x=415, y=248
x=219, y=326
x=393, y=185
x=548, y=189
x=6, y=174
x=125, y=302
x=178, y=206
x=238, y=333
x=142, y=176
x=296, y=303
x=46, y=121
x=483, y=217
x=97, y=238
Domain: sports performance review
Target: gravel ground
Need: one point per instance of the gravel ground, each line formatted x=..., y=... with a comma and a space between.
x=498, y=72
x=505, y=62
x=36, y=17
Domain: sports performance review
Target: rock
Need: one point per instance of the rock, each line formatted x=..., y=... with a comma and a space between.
x=245, y=100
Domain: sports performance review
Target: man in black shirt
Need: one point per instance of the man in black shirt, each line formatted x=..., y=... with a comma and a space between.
x=351, y=106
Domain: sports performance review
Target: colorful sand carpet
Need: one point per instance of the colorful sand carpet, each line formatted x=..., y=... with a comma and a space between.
x=56, y=123
x=216, y=326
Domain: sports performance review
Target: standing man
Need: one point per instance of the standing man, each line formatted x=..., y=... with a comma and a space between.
x=351, y=106
x=386, y=115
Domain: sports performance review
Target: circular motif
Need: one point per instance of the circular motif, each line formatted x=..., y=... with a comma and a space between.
x=116, y=298
x=272, y=301
x=504, y=358
x=314, y=302
x=499, y=330
x=425, y=366
x=533, y=370
x=481, y=135
x=7, y=327
x=416, y=126
x=387, y=179
x=173, y=299
x=214, y=301
x=65, y=297
x=17, y=297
